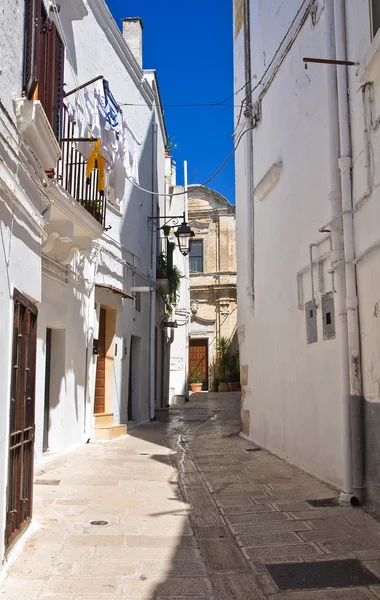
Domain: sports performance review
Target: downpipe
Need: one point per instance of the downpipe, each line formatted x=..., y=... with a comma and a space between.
x=153, y=257
x=250, y=291
x=353, y=492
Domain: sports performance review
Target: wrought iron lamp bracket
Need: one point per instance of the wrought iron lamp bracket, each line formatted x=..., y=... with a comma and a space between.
x=156, y=223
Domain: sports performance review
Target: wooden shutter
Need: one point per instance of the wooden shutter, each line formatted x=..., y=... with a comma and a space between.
x=32, y=24
x=51, y=69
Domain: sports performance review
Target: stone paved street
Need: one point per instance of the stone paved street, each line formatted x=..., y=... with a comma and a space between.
x=193, y=511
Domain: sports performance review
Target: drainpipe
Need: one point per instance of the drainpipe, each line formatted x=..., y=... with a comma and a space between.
x=153, y=253
x=353, y=403
x=337, y=248
x=249, y=156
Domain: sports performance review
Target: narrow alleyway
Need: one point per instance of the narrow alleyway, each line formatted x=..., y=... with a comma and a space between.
x=191, y=511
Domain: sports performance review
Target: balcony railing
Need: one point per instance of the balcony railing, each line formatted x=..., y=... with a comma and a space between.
x=71, y=170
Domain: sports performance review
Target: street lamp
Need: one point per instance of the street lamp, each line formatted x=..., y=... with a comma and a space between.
x=184, y=233
x=184, y=236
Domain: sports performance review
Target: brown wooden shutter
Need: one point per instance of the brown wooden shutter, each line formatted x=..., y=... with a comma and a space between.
x=32, y=24
x=54, y=78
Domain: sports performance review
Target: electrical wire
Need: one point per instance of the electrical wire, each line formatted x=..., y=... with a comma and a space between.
x=260, y=82
x=193, y=188
x=209, y=104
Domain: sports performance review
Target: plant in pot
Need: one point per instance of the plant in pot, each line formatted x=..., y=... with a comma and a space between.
x=162, y=266
x=169, y=146
x=234, y=378
x=195, y=380
x=223, y=359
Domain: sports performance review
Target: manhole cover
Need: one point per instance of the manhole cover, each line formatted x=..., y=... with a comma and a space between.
x=324, y=502
x=99, y=523
x=253, y=449
x=320, y=575
x=47, y=481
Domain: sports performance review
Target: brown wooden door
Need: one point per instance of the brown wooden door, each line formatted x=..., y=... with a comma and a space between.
x=21, y=421
x=99, y=405
x=198, y=359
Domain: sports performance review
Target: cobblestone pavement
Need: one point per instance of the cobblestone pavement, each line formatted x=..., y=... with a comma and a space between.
x=193, y=511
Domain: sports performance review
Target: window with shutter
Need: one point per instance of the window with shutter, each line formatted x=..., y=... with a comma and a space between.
x=54, y=78
x=32, y=29
x=44, y=62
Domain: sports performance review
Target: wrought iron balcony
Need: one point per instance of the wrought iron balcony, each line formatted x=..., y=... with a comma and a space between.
x=71, y=171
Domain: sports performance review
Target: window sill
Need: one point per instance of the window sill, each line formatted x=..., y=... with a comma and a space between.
x=369, y=69
x=36, y=130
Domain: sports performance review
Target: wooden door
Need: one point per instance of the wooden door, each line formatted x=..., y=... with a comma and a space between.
x=99, y=405
x=198, y=359
x=21, y=421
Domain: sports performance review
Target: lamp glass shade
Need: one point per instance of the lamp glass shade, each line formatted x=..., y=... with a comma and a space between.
x=184, y=236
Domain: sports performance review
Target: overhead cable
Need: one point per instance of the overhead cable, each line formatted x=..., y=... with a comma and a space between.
x=201, y=185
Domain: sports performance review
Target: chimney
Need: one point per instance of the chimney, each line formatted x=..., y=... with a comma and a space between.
x=132, y=33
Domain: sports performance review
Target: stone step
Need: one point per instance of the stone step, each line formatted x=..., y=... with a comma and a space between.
x=110, y=432
x=103, y=419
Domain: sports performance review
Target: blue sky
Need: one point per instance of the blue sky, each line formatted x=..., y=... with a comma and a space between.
x=190, y=46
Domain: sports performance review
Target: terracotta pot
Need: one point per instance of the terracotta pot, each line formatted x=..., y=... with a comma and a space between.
x=234, y=386
x=223, y=387
x=196, y=387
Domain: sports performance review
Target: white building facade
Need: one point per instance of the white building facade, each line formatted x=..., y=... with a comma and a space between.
x=84, y=350
x=307, y=207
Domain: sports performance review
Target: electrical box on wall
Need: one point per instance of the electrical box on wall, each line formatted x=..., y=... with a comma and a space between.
x=328, y=316
x=311, y=322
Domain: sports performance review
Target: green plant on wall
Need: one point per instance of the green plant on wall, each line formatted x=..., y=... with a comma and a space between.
x=174, y=278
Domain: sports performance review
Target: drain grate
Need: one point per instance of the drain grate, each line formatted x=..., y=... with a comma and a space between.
x=257, y=449
x=320, y=575
x=98, y=522
x=47, y=481
x=324, y=502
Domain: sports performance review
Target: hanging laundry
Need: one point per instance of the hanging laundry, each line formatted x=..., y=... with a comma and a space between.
x=109, y=142
x=84, y=129
x=92, y=113
x=96, y=161
x=112, y=109
x=71, y=112
x=130, y=154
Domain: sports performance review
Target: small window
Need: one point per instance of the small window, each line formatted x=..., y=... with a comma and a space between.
x=328, y=316
x=196, y=257
x=375, y=16
x=311, y=322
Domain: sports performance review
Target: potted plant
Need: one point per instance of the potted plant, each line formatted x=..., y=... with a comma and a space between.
x=169, y=146
x=234, y=382
x=195, y=380
x=162, y=266
x=223, y=358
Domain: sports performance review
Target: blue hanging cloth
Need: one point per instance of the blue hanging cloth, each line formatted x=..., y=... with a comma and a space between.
x=112, y=109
